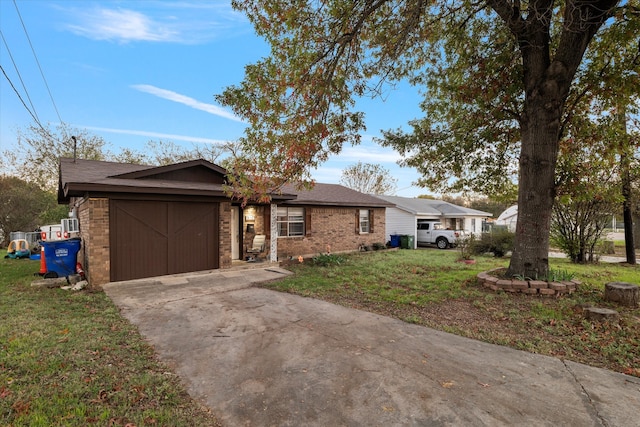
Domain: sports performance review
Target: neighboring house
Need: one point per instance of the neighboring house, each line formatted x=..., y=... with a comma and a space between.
x=402, y=217
x=142, y=221
x=508, y=218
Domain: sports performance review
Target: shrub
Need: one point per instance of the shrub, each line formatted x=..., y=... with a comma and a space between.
x=465, y=245
x=498, y=242
x=559, y=275
x=552, y=276
x=328, y=259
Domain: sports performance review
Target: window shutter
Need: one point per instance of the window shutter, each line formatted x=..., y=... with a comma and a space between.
x=307, y=221
x=357, y=221
x=370, y=220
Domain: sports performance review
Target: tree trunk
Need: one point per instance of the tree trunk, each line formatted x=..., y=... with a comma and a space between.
x=536, y=189
x=627, y=294
x=636, y=231
x=626, y=153
x=628, y=224
x=601, y=314
x=546, y=86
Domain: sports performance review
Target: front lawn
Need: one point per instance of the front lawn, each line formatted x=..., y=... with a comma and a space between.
x=428, y=287
x=69, y=359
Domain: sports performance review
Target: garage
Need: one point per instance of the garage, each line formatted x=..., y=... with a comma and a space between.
x=154, y=238
x=140, y=221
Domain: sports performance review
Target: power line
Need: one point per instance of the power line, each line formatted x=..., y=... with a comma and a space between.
x=37, y=62
x=45, y=130
x=15, y=66
x=20, y=97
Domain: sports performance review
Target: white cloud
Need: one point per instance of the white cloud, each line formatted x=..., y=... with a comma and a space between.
x=188, y=101
x=174, y=22
x=121, y=25
x=158, y=135
x=327, y=175
x=368, y=153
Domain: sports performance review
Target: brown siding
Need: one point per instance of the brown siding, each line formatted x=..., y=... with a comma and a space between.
x=332, y=226
x=193, y=236
x=153, y=238
x=193, y=174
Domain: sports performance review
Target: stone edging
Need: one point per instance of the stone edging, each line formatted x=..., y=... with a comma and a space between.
x=529, y=287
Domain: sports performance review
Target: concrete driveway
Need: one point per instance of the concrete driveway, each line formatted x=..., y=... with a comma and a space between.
x=263, y=358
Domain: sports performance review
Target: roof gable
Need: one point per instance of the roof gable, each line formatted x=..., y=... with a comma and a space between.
x=192, y=171
x=79, y=177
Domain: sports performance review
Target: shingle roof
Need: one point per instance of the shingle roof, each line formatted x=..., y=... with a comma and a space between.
x=78, y=177
x=426, y=207
x=332, y=195
x=414, y=206
x=83, y=176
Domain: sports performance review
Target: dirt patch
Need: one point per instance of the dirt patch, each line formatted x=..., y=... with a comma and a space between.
x=550, y=326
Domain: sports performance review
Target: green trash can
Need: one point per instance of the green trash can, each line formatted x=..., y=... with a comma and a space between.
x=410, y=244
x=404, y=241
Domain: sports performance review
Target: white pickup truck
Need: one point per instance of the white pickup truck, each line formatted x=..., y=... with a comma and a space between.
x=433, y=232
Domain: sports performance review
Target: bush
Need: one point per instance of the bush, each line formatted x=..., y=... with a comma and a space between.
x=328, y=259
x=498, y=242
x=465, y=245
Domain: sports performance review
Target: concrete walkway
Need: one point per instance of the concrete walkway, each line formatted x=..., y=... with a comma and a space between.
x=263, y=358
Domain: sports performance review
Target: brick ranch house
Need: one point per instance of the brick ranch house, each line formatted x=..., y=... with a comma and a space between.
x=141, y=221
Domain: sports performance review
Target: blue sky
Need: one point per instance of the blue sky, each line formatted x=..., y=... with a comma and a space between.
x=134, y=71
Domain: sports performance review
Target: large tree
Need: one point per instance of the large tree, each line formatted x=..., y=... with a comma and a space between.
x=35, y=155
x=298, y=102
x=369, y=178
x=24, y=206
x=616, y=107
x=588, y=190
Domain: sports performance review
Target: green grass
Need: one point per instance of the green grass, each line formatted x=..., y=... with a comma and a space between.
x=388, y=276
x=428, y=287
x=69, y=358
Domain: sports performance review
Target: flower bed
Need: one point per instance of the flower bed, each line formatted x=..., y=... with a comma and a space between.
x=491, y=280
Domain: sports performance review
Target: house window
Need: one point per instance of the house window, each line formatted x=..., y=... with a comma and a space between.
x=365, y=223
x=473, y=225
x=290, y=222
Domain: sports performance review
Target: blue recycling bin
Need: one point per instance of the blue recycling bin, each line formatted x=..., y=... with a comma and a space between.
x=61, y=257
x=395, y=240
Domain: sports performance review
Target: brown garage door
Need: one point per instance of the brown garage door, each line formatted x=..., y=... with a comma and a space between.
x=154, y=238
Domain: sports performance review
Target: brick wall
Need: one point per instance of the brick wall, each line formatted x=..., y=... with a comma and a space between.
x=93, y=216
x=334, y=226
x=224, y=231
x=260, y=214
